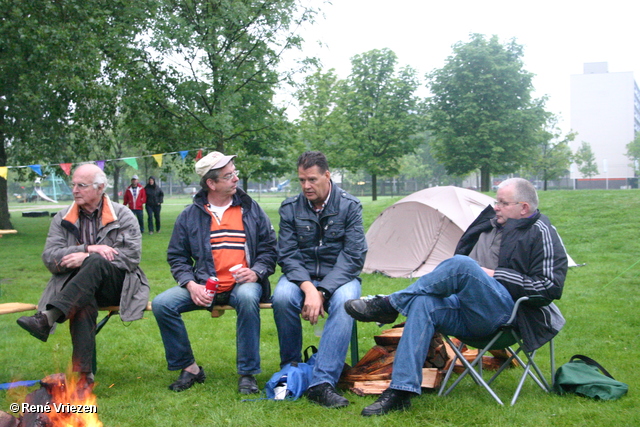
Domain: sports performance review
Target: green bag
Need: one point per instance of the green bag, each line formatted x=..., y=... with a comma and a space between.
x=585, y=377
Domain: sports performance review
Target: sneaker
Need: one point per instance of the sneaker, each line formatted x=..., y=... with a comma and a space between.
x=326, y=395
x=371, y=309
x=37, y=325
x=389, y=400
x=151, y=232
x=187, y=379
x=247, y=384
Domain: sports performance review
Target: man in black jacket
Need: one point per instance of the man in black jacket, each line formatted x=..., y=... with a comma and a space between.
x=506, y=253
x=321, y=249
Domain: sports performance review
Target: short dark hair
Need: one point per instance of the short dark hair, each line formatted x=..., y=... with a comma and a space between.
x=309, y=159
x=213, y=174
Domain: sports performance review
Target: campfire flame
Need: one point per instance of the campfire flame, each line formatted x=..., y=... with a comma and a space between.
x=73, y=402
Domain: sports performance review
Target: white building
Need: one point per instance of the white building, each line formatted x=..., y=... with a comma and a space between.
x=605, y=112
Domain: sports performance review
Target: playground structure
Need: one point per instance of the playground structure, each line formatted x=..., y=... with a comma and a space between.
x=51, y=188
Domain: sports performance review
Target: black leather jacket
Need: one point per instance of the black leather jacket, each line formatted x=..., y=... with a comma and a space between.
x=329, y=247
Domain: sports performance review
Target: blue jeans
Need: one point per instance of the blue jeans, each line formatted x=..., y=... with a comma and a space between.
x=457, y=298
x=245, y=298
x=288, y=301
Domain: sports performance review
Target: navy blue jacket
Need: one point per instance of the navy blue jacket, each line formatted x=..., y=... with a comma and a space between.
x=532, y=262
x=329, y=248
x=189, y=252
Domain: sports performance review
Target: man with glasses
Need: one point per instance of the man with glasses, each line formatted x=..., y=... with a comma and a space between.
x=508, y=252
x=223, y=228
x=93, y=250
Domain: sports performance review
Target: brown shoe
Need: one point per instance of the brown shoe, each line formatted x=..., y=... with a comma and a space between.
x=37, y=325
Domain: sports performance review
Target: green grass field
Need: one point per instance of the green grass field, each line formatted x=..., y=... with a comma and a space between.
x=599, y=229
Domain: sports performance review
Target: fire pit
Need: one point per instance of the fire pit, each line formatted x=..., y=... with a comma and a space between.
x=61, y=401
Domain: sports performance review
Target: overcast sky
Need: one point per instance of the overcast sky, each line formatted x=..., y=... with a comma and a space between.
x=558, y=36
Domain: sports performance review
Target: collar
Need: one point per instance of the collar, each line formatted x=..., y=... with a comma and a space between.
x=106, y=212
x=326, y=201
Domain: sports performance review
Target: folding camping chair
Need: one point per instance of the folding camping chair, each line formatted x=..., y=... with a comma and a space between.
x=503, y=339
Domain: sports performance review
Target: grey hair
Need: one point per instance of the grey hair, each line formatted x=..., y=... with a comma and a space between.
x=213, y=174
x=524, y=191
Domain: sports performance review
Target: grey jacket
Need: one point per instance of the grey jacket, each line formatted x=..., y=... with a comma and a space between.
x=119, y=229
x=330, y=248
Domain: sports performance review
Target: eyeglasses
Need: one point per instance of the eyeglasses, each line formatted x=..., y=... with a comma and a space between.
x=230, y=175
x=505, y=204
x=80, y=185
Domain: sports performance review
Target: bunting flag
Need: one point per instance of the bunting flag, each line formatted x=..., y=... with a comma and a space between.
x=66, y=167
x=131, y=161
x=37, y=169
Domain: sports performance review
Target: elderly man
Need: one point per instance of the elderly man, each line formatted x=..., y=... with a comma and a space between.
x=223, y=228
x=93, y=251
x=507, y=253
x=321, y=249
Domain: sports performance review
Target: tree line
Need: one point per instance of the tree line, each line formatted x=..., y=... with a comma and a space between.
x=92, y=79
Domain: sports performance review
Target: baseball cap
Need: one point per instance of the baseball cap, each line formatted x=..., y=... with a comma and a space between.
x=213, y=160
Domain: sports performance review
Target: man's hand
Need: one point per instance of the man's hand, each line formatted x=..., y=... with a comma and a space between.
x=107, y=252
x=73, y=260
x=313, y=303
x=199, y=294
x=246, y=275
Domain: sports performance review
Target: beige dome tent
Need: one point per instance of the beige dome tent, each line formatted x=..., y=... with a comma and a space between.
x=412, y=236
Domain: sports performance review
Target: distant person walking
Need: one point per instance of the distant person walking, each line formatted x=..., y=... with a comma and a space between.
x=155, y=198
x=134, y=198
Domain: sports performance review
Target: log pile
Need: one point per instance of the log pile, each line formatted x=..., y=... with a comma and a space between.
x=372, y=374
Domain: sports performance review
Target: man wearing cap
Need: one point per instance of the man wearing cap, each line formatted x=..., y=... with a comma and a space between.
x=321, y=249
x=135, y=197
x=223, y=227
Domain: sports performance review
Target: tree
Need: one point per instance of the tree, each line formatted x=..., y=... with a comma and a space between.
x=220, y=70
x=633, y=153
x=553, y=156
x=381, y=112
x=586, y=160
x=482, y=114
x=53, y=55
x=319, y=125
x=423, y=168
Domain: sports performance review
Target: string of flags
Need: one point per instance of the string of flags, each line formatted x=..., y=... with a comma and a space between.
x=131, y=161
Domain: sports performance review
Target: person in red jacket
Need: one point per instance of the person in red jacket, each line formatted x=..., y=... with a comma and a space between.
x=134, y=198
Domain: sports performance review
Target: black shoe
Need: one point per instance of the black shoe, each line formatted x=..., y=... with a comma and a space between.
x=326, y=395
x=247, y=384
x=187, y=379
x=371, y=309
x=37, y=325
x=390, y=400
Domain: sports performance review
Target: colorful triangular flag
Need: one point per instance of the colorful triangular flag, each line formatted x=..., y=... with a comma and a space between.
x=199, y=155
x=66, y=167
x=37, y=169
x=183, y=154
x=158, y=159
x=3, y=171
x=100, y=164
x=131, y=161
